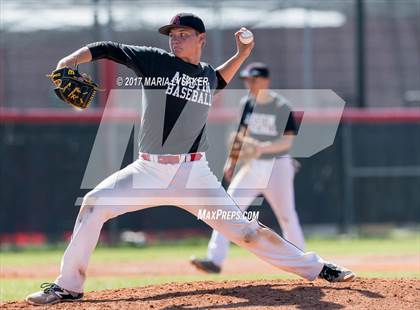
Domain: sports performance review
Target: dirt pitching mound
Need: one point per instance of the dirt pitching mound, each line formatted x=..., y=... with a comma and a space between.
x=277, y=294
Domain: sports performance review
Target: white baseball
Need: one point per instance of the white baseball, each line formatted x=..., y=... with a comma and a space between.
x=246, y=36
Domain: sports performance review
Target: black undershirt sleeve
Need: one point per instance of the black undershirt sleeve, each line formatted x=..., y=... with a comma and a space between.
x=141, y=59
x=291, y=124
x=221, y=83
x=108, y=50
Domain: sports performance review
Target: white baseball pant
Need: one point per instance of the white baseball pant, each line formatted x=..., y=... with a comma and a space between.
x=189, y=185
x=274, y=179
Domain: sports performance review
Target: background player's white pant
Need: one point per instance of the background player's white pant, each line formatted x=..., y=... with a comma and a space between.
x=191, y=186
x=274, y=179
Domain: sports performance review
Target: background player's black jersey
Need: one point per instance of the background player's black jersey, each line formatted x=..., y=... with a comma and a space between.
x=269, y=121
x=177, y=99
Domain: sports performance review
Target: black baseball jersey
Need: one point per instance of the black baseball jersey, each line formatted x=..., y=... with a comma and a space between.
x=269, y=121
x=177, y=99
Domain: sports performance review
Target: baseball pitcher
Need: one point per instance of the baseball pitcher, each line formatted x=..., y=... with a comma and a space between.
x=174, y=172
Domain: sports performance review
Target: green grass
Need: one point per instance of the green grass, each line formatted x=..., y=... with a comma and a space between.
x=162, y=252
x=14, y=289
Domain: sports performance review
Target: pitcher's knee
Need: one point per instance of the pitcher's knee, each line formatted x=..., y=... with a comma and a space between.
x=89, y=211
x=91, y=197
x=90, y=208
x=249, y=233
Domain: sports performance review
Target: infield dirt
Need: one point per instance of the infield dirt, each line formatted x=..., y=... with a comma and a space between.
x=369, y=293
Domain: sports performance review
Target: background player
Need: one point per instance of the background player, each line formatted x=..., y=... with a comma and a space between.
x=174, y=172
x=270, y=173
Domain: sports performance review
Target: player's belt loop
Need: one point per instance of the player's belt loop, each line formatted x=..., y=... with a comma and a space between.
x=145, y=156
x=193, y=156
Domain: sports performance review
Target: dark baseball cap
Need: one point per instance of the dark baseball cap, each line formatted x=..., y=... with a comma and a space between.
x=255, y=69
x=184, y=20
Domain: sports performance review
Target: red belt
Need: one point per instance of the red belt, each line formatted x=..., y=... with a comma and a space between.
x=171, y=159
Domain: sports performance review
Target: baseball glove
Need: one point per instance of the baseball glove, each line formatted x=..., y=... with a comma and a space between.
x=249, y=150
x=245, y=149
x=73, y=88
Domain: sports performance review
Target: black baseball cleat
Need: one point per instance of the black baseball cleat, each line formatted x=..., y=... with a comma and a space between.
x=52, y=294
x=334, y=273
x=205, y=265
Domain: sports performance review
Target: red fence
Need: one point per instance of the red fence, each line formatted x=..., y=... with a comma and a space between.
x=217, y=115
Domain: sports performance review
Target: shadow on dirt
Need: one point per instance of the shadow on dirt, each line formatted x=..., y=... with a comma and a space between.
x=302, y=297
